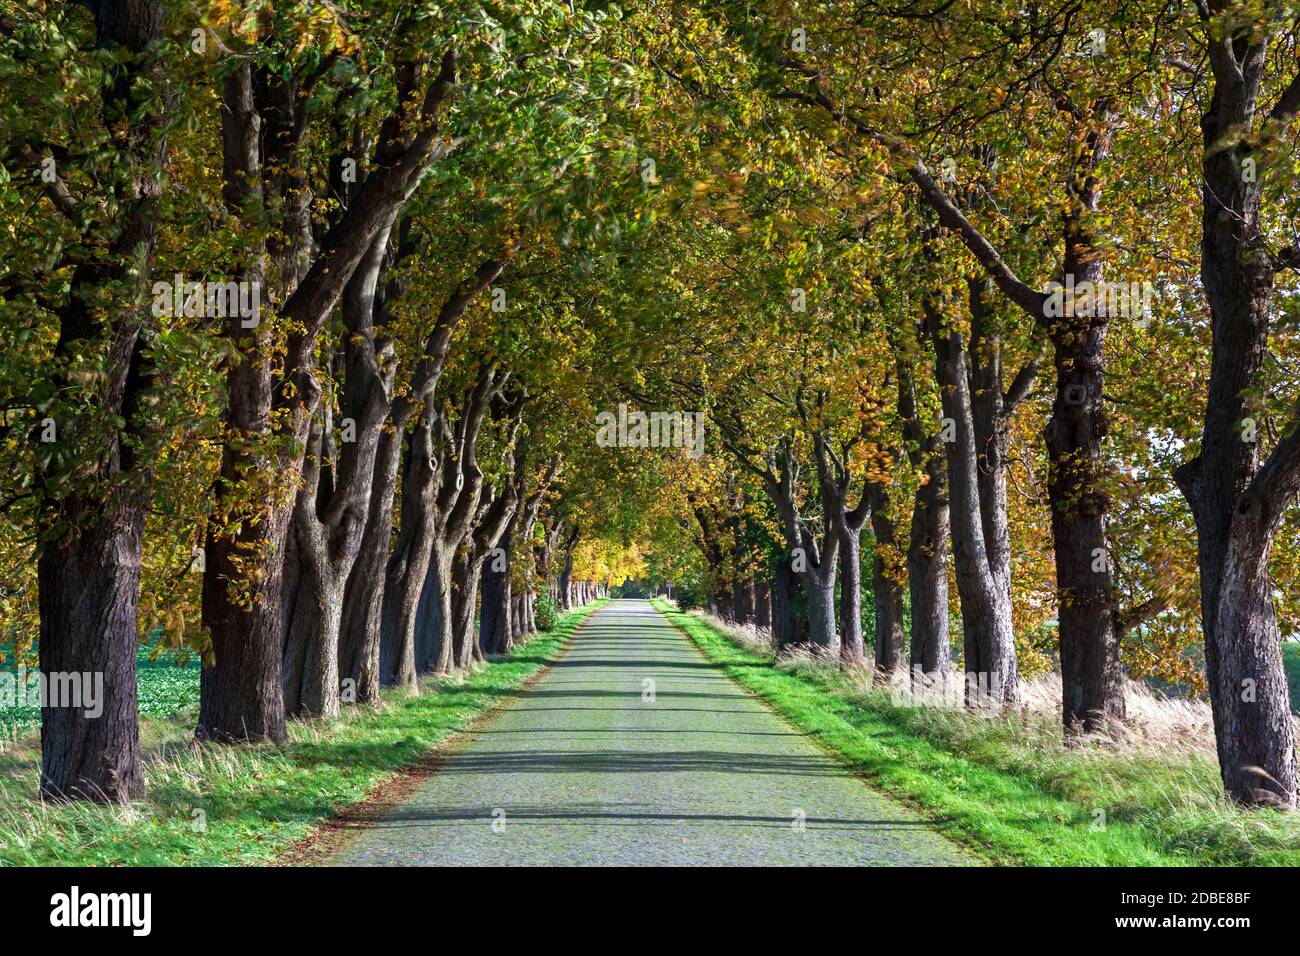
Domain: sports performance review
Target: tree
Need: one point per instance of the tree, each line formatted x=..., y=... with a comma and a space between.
x=1238, y=495
x=89, y=411
x=266, y=108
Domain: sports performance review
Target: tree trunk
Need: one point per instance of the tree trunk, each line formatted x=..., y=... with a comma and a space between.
x=333, y=507
x=741, y=612
x=1239, y=503
x=927, y=568
x=245, y=593
x=927, y=547
x=822, y=611
x=241, y=696
x=498, y=617
x=891, y=636
x=890, y=633
x=1248, y=685
x=88, y=577
x=89, y=588
x=409, y=564
x=762, y=604
x=785, y=620
x=852, y=646
x=435, y=622
x=361, y=628
x=465, y=577
x=1092, y=679
x=565, y=585
x=990, y=436
x=518, y=620
x=294, y=662
x=990, y=656
x=315, y=631
x=815, y=561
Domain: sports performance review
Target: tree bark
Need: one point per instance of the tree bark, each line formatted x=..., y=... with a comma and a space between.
x=498, y=618
x=749, y=600
x=409, y=564
x=890, y=635
x=785, y=589
x=989, y=644
x=89, y=587
x=465, y=577
x=435, y=621
x=363, y=598
x=927, y=549
x=1092, y=679
x=762, y=604
x=1239, y=503
x=742, y=601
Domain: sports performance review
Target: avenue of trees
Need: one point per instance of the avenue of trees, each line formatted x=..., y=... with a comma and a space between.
x=988, y=313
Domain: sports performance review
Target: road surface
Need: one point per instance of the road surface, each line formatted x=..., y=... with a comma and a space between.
x=633, y=749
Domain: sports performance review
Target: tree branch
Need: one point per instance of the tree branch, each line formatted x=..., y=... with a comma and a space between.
x=1139, y=614
x=1020, y=386
x=1028, y=298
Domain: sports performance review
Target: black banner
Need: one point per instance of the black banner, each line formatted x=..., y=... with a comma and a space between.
x=230, y=907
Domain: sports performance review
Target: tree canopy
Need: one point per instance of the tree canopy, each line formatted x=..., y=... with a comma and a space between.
x=943, y=339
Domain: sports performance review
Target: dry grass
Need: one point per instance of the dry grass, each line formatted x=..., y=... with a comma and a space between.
x=1156, y=723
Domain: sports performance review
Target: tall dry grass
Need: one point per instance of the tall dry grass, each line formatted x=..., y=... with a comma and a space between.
x=1156, y=723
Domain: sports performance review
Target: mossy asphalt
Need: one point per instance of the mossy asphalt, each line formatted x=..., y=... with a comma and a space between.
x=633, y=749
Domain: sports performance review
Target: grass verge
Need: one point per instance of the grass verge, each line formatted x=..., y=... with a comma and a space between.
x=1012, y=793
x=213, y=805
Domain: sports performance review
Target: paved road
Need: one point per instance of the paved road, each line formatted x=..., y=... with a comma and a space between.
x=586, y=769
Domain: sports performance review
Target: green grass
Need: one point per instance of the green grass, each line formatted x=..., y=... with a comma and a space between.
x=218, y=805
x=1014, y=794
x=165, y=686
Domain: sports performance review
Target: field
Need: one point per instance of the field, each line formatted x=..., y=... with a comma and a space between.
x=166, y=687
